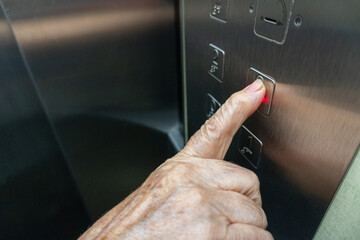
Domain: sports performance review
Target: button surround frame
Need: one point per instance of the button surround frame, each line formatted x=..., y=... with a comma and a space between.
x=270, y=85
x=219, y=63
x=246, y=150
x=269, y=28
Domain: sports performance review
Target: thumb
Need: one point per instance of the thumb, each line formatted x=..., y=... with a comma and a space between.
x=215, y=136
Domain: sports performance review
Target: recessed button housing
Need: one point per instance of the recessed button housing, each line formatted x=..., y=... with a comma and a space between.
x=212, y=106
x=250, y=147
x=216, y=60
x=219, y=10
x=269, y=82
x=272, y=19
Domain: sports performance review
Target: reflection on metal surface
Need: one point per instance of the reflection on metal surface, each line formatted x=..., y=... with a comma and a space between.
x=94, y=25
x=314, y=126
x=37, y=191
x=93, y=59
x=319, y=143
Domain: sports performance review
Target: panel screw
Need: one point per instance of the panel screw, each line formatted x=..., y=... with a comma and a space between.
x=251, y=8
x=298, y=21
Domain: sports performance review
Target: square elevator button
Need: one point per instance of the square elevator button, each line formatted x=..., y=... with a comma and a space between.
x=250, y=146
x=269, y=82
x=216, y=61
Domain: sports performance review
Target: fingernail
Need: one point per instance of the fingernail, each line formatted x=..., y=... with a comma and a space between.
x=255, y=86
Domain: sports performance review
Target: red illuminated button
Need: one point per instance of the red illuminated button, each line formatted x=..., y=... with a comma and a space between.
x=265, y=99
x=269, y=82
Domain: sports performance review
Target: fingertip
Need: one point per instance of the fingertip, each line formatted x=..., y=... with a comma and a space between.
x=249, y=99
x=256, y=86
x=254, y=93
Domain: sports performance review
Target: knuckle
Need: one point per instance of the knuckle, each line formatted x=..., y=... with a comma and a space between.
x=238, y=101
x=264, y=221
x=176, y=167
x=165, y=166
x=257, y=234
x=254, y=191
x=213, y=124
x=180, y=168
x=261, y=234
x=228, y=108
x=244, y=232
x=235, y=168
x=194, y=195
x=172, y=173
x=254, y=180
x=210, y=129
x=255, y=214
x=248, y=232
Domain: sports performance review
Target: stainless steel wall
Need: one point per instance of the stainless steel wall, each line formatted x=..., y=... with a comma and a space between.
x=107, y=75
x=38, y=196
x=313, y=53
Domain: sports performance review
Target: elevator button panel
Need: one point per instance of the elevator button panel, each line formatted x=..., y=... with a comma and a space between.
x=212, y=106
x=269, y=82
x=219, y=10
x=250, y=146
x=216, y=62
x=272, y=19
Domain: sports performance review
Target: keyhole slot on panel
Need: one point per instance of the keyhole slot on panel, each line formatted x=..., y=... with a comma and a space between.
x=271, y=21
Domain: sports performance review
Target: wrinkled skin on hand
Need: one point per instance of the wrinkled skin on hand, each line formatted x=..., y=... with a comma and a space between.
x=195, y=194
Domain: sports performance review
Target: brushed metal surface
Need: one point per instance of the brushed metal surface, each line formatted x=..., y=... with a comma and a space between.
x=314, y=127
x=38, y=195
x=91, y=55
x=104, y=70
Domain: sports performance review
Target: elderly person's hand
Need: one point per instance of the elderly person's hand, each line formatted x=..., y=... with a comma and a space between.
x=195, y=194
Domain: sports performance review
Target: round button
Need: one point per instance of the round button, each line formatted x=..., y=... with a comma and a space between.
x=259, y=77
